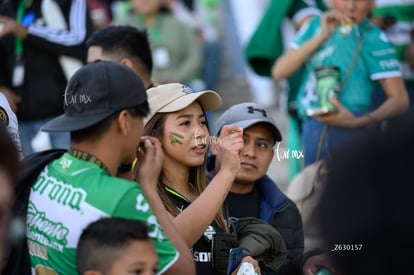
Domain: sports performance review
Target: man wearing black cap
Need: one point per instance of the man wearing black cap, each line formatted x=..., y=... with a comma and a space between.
x=104, y=106
x=254, y=194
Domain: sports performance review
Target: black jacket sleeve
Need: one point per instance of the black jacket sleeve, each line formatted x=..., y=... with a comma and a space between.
x=289, y=224
x=69, y=42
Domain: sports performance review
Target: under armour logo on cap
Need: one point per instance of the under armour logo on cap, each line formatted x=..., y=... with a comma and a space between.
x=186, y=90
x=236, y=115
x=251, y=110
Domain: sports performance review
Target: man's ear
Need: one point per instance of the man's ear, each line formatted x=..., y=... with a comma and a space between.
x=127, y=62
x=157, y=134
x=123, y=122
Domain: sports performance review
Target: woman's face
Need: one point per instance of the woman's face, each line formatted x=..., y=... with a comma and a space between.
x=356, y=10
x=146, y=7
x=185, y=136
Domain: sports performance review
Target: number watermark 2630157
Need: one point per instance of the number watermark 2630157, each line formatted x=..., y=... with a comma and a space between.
x=347, y=247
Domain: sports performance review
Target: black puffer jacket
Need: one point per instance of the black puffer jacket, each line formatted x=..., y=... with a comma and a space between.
x=279, y=211
x=261, y=241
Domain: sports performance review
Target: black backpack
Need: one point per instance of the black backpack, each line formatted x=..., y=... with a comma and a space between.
x=17, y=260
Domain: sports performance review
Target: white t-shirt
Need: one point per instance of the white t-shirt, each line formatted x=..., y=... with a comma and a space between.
x=9, y=120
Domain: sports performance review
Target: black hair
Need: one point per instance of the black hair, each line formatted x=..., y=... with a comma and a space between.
x=364, y=213
x=125, y=40
x=9, y=155
x=101, y=241
x=96, y=131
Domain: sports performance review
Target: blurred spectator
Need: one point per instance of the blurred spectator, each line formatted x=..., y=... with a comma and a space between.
x=242, y=18
x=396, y=19
x=100, y=14
x=8, y=119
x=41, y=45
x=321, y=43
x=204, y=18
x=409, y=52
x=126, y=45
x=365, y=210
x=265, y=47
x=175, y=48
x=130, y=249
x=9, y=158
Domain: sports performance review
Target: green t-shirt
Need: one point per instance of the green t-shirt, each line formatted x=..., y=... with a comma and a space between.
x=71, y=193
x=400, y=32
x=377, y=60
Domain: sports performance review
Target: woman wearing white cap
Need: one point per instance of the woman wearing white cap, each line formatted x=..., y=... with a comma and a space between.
x=177, y=118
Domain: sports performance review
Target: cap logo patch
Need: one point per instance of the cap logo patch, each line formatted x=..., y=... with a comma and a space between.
x=75, y=97
x=186, y=90
x=251, y=110
x=70, y=93
x=4, y=118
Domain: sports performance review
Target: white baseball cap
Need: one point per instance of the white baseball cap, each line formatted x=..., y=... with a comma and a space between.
x=174, y=97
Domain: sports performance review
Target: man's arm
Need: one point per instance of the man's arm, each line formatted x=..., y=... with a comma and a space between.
x=66, y=40
x=56, y=36
x=292, y=60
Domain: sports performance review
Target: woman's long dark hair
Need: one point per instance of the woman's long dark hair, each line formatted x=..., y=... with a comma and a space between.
x=197, y=175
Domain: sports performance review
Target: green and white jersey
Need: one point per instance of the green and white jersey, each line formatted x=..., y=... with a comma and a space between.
x=303, y=8
x=399, y=33
x=68, y=195
x=377, y=60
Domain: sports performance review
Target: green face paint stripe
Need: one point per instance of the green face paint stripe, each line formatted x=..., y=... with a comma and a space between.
x=173, y=140
x=176, y=134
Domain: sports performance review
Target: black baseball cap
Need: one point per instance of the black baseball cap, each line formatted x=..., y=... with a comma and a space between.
x=247, y=114
x=96, y=91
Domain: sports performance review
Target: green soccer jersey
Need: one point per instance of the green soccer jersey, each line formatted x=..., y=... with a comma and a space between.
x=402, y=11
x=301, y=9
x=68, y=195
x=298, y=11
x=377, y=60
